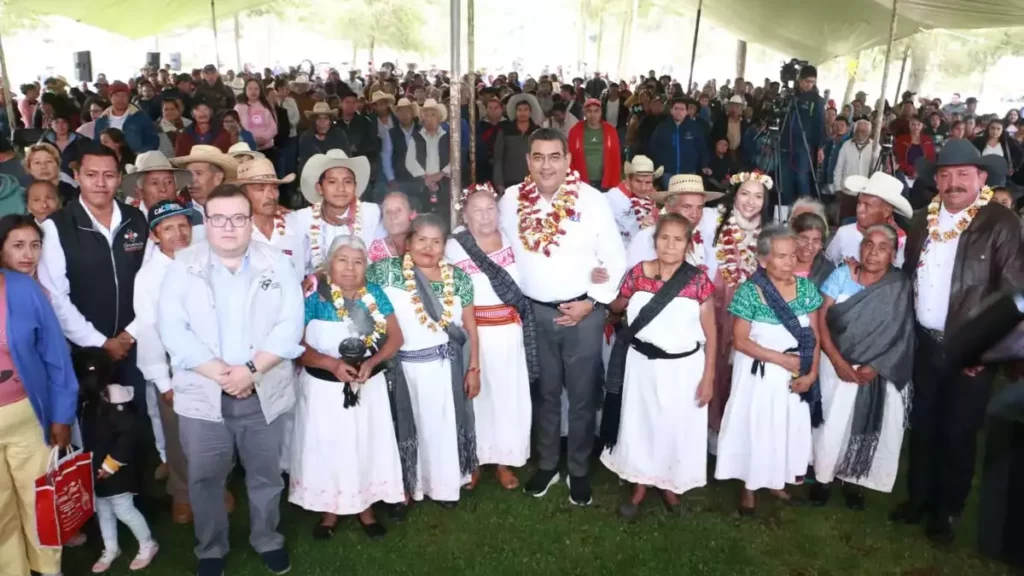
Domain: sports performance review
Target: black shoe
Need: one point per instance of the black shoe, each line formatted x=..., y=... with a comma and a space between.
x=819, y=494
x=941, y=529
x=854, y=496
x=628, y=510
x=374, y=531
x=398, y=512
x=322, y=532
x=210, y=567
x=537, y=486
x=277, y=561
x=672, y=509
x=907, y=513
x=579, y=490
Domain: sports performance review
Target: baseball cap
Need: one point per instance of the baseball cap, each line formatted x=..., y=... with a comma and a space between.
x=119, y=86
x=209, y=68
x=165, y=209
x=592, y=102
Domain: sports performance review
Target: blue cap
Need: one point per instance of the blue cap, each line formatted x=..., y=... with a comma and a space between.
x=167, y=208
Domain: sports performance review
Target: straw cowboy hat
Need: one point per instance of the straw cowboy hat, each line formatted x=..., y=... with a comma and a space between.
x=152, y=161
x=380, y=95
x=240, y=150
x=210, y=155
x=321, y=109
x=686, y=184
x=642, y=165
x=320, y=163
x=261, y=171
x=406, y=103
x=301, y=79
x=883, y=186
x=431, y=104
x=536, y=113
x=963, y=153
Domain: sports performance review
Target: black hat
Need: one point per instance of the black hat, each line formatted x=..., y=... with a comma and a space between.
x=209, y=68
x=962, y=152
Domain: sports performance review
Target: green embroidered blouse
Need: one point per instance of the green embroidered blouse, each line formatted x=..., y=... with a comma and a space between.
x=388, y=272
x=747, y=302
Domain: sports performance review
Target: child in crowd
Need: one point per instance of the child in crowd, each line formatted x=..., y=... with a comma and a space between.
x=42, y=199
x=109, y=420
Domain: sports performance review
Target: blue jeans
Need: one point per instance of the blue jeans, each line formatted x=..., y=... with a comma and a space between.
x=796, y=175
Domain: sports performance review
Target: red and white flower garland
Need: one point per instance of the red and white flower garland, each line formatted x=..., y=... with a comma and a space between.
x=315, y=230
x=735, y=253
x=540, y=233
x=644, y=210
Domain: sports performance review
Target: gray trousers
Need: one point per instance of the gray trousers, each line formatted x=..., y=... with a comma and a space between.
x=209, y=448
x=569, y=357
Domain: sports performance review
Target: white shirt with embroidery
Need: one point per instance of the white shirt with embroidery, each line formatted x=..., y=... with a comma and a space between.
x=301, y=220
x=934, y=277
x=289, y=241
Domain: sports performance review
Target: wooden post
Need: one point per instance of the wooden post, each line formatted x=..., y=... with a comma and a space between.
x=880, y=109
x=741, y=59
x=8, y=101
x=693, y=53
x=471, y=47
x=213, y=23
x=455, y=112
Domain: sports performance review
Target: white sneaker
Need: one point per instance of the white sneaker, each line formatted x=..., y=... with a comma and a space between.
x=106, y=559
x=146, y=553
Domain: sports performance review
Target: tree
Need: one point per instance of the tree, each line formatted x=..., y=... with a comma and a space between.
x=387, y=23
x=969, y=53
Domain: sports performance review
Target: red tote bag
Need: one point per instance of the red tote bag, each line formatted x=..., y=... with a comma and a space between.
x=64, y=497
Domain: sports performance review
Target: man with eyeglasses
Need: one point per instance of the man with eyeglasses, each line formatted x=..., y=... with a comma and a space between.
x=231, y=317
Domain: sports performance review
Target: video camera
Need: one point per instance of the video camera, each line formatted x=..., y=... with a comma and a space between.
x=790, y=71
x=887, y=140
x=775, y=109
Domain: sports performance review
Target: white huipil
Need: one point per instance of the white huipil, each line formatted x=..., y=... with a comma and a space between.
x=302, y=221
x=503, y=410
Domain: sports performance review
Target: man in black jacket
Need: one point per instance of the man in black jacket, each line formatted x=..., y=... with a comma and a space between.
x=212, y=89
x=362, y=134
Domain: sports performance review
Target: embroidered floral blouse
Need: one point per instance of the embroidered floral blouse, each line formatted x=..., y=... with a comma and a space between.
x=747, y=302
x=700, y=287
x=320, y=309
x=389, y=273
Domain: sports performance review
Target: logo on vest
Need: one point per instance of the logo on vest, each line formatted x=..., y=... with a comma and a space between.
x=132, y=243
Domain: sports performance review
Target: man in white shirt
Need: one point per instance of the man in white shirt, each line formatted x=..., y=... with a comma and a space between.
x=210, y=168
x=170, y=230
x=631, y=201
x=563, y=230
x=961, y=250
x=259, y=181
x=153, y=179
x=877, y=199
x=686, y=197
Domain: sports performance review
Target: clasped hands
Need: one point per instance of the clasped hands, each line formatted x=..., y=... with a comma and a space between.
x=344, y=372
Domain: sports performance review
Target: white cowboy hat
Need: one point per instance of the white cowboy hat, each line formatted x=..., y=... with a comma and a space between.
x=883, y=186
x=321, y=109
x=642, y=165
x=237, y=85
x=686, y=184
x=261, y=171
x=380, y=95
x=152, y=161
x=406, y=103
x=240, y=149
x=536, y=113
x=210, y=155
x=320, y=163
x=430, y=103
x=301, y=79
x=737, y=99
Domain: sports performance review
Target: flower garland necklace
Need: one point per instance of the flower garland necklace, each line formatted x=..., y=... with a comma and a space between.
x=644, y=210
x=736, y=259
x=447, y=295
x=279, y=225
x=380, y=325
x=540, y=233
x=315, y=231
x=962, y=223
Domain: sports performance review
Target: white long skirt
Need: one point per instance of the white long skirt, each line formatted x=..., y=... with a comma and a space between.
x=438, y=474
x=345, y=459
x=765, y=438
x=838, y=399
x=663, y=433
x=503, y=409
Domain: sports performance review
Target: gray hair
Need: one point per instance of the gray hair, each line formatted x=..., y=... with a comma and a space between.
x=811, y=204
x=346, y=241
x=862, y=122
x=887, y=230
x=768, y=236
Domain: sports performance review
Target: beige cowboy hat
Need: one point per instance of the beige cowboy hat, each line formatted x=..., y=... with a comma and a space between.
x=406, y=103
x=737, y=99
x=642, y=165
x=536, y=113
x=380, y=95
x=301, y=79
x=685, y=184
x=152, y=161
x=210, y=155
x=320, y=163
x=239, y=150
x=431, y=104
x=883, y=186
x=261, y=171
x=321, y=109
x=237, y=85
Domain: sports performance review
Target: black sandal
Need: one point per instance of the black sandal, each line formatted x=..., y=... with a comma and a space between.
x=323, y=532
x=374, y=531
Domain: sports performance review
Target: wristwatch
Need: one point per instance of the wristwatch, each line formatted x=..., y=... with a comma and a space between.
x=256, y=375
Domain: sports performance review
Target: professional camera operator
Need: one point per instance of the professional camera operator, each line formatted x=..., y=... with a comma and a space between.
x=803, y=136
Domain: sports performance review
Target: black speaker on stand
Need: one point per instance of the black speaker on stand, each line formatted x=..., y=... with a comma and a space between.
x=83, y=66
x=175, y=61
x=153, y=60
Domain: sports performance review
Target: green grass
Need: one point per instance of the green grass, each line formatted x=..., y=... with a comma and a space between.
x=497, y=532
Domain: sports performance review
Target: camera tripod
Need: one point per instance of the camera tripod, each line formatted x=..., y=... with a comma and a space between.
x=771, y=158
x=886, y=161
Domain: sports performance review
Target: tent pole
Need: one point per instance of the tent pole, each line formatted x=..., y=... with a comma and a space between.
x=880, y=109
x=903, y=69
x=8, y=101
x=693, y=53
x=455, y=111
x=471, y=47
x=213, y=22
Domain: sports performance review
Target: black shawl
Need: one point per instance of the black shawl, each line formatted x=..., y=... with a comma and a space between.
x=874, y=327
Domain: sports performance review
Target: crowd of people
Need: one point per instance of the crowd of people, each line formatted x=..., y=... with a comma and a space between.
x=617, y=277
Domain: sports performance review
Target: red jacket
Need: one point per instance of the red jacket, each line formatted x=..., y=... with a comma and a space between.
x=612, y=154
x=900, y=147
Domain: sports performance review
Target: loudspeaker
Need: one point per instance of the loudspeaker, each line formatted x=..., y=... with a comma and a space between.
x=153, y=60
x=83, y=66
x=175, y=61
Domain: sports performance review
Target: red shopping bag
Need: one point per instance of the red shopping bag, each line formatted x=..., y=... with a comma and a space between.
x=64, y=497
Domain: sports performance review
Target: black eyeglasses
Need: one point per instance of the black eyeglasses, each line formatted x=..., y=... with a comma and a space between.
x=221, y=221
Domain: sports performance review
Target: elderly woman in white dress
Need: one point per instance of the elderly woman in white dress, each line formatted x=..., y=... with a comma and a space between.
x=347, y=455
x=433, y=302
x=661, y=373
x=765, y=438
x=508, y=349
x=868, y=345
